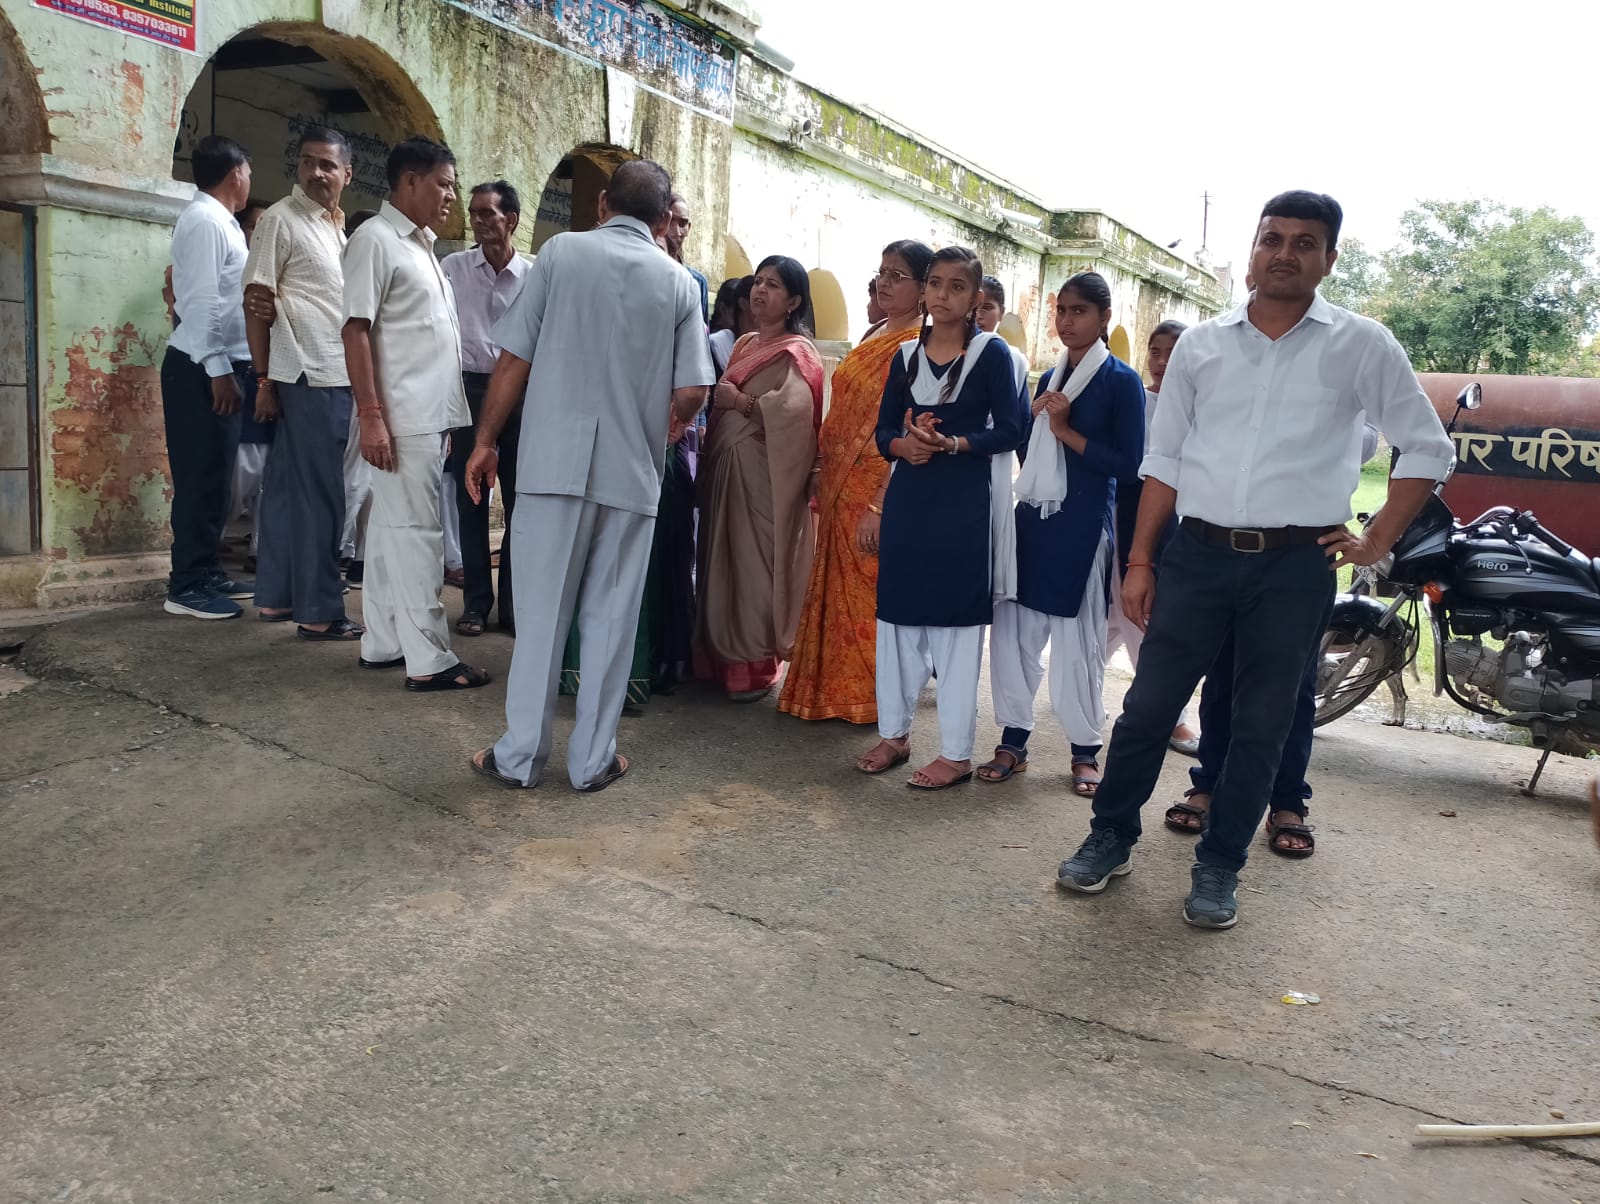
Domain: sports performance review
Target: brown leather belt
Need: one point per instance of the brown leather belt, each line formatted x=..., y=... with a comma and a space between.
x=1252, y=539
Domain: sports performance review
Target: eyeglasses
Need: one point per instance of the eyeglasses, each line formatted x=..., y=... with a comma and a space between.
x=892, y=276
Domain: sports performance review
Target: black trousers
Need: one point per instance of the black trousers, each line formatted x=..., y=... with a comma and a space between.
x=1276, y=605
x=478, y=597
x=201, y=446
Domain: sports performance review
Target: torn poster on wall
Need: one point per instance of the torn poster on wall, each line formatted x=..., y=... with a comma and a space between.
x=170, y=22
x=682, y=60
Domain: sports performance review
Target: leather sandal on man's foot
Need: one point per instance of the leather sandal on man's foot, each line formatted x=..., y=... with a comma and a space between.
x=998, y=770
x=1185, y=817
x=482, y=762
x=619, y=766
x=897, y=756
x=471, y=624
x=456, y=677
x=955, y=781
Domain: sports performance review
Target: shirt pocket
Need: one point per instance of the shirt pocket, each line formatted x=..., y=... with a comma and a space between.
x=1307, y=413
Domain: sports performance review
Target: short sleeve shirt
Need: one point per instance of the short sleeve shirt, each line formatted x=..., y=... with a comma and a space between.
x=296, y=253
x=392, y=280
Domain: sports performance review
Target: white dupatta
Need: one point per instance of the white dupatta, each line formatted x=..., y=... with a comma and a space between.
x=1043, y=479
x=925, y=391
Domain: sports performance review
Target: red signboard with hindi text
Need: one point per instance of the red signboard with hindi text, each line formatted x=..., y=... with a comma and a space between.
x=169, y=22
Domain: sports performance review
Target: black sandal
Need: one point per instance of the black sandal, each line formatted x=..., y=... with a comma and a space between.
x=489, y=769
x=339, y=629
x=999, y=769
x=1082, y=785
x=394, y=664
x=1301, y=829
x=619, y=766
x=471, y=623
x=450, y=679
x=1183, y=808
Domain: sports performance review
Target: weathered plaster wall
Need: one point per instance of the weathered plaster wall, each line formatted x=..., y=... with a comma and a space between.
x=114, y=107
x=785, y=203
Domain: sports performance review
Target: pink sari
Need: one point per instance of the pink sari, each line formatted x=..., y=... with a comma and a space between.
x=757, y=533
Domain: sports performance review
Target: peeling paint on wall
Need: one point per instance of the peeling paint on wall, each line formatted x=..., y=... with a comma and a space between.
x=107, y=444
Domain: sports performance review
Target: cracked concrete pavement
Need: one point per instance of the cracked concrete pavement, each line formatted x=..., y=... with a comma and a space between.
x=264, y=937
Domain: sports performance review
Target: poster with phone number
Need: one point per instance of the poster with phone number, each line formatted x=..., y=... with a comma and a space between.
x=168, y=22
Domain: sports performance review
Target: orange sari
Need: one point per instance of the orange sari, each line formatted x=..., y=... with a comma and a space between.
x=832, y=671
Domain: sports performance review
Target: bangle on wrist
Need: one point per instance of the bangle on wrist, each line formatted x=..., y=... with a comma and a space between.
x=1140, y=564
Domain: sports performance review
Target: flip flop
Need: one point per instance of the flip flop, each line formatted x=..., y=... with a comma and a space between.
x=446, y=679
x=619, y=766
x=489, y=770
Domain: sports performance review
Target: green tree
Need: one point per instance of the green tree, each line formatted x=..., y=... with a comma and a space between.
x=1357, y=279
x=1478, y=287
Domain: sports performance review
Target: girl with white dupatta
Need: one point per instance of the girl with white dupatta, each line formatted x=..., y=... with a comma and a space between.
x=1087, y=430
x=950, y=404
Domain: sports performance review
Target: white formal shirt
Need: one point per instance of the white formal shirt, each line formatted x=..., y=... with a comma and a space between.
x=296, y=253
x=482, y=296
x=1256, y=432
x=611, y=326
x=208, y=254
x=393, y=281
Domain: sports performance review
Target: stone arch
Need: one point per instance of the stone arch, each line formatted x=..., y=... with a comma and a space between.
x=24, y=123
x=571, y=196
x=735, y=263
x=827, y=303
x=268, y=81
x=1121, y=346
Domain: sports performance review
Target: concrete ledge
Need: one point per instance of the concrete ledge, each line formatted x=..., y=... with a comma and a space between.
x=103, y=579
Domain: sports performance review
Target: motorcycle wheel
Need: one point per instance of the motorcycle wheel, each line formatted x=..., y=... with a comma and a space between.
x=1352, y=664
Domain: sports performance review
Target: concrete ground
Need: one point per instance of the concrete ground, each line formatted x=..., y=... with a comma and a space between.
x=263, y=937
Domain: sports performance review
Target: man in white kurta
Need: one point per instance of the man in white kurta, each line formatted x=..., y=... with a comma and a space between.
x=604, y=346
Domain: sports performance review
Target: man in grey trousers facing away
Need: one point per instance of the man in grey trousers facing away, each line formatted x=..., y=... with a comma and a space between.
x=605, y=348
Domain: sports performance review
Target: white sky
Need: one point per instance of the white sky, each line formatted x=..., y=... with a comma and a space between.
x=1139, y=107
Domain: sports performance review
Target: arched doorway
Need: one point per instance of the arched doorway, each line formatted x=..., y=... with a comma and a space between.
x=267, y=84
x=24, y=131
x=571, y=197
x=736, y=264
x=827, y=302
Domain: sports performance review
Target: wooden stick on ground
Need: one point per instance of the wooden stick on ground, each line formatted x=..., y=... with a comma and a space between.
x=1589, y=1129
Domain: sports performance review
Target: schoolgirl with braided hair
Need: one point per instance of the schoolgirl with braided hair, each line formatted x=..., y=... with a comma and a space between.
x=950, y=404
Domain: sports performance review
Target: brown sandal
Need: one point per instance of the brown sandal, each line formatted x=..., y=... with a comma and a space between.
x=899, y=758
x=1302, y=830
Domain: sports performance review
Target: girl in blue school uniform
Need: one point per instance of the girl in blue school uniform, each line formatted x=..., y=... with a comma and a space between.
x=1086, y=430
x=950, y=404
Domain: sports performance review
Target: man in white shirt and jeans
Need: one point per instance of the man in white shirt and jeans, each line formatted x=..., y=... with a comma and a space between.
x=1257, y=447
x=205, y=378
x=486, y=280
x=403, y=352
x=294, y=269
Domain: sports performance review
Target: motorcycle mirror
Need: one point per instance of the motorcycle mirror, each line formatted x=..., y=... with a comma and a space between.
x=1471, y=397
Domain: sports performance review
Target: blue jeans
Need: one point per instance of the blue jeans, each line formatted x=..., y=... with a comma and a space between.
x=1283, y=599
x=1290, y=790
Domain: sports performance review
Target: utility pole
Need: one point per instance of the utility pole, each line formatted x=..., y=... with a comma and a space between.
x=1205, y=221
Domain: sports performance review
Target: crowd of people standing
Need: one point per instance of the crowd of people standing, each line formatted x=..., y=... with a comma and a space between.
x=678, y=502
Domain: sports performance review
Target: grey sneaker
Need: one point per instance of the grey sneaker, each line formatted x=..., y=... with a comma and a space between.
x=1099, y=859
x=1212, y=902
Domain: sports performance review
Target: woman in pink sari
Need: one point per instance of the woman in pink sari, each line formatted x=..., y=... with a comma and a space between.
x=757, y=475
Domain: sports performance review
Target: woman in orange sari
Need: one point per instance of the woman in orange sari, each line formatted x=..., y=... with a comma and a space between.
x=832, y=671
x=757, y=532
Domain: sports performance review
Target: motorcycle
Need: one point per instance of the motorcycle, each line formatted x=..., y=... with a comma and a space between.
x=1504, y=576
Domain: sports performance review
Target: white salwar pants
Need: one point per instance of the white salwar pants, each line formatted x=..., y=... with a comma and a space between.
x=357, y=494
x=592, y=559
x=906, y=658
x=249, y=471
x=1077, y=661
x=404, y=558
